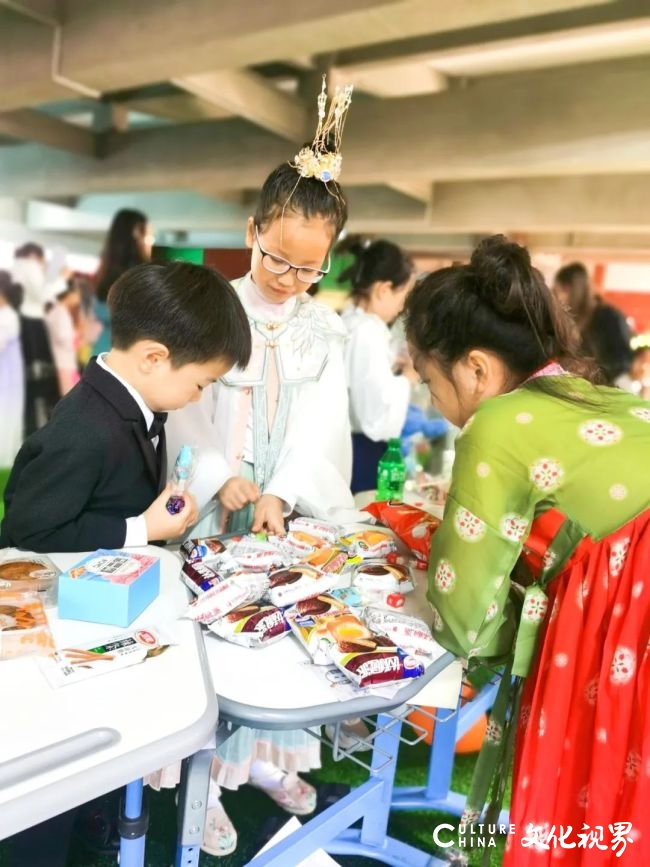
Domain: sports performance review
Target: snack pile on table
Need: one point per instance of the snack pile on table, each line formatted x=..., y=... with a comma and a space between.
x=337, y=591
x=27, y=586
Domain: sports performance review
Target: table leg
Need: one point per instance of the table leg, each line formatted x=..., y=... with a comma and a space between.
x=192, y=800
x=370, y=802
x=437, y=793
x=133, y=822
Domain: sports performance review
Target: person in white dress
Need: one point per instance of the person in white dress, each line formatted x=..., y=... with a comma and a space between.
x=273, y=438
x=379, y=384
x=64, y=340
x=12, y=374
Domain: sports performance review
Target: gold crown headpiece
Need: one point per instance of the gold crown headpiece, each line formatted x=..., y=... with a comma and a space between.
x=323, y=158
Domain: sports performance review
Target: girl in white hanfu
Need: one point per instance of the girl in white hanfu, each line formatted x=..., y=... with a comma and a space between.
x=276, y=437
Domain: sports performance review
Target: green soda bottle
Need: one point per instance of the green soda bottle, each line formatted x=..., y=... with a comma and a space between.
x=391, y=473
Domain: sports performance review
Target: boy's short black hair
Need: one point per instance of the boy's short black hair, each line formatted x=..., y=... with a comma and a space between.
x=190, y=309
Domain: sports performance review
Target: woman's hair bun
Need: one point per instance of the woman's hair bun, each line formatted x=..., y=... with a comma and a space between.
x=501, y=268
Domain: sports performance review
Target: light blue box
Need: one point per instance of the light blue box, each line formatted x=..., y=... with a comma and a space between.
x=111, y=587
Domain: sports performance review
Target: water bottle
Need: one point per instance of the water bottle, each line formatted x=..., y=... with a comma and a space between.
x=391, y=473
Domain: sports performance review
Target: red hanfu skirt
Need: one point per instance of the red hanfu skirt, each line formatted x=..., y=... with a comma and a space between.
x=581, y=786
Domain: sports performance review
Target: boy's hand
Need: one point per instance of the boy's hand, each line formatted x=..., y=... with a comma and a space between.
x=237, y=493
x=161, y=525
x=269, y=515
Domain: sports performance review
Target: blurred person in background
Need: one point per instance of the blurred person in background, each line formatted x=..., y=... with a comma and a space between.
x=42, y=385
x=128, y=243
x=61, y=318
x=604, y=331
x=637, y=379
x=379, y=382
x=12, y=373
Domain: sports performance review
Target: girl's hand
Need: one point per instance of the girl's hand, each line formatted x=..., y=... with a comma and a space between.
x=237, y=493
x=269, y=515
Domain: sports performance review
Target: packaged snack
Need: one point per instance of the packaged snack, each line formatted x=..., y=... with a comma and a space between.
x=310, y=622
x=371, y=660
x=373, y=575
x=328, y=533
x=207, y=550
x=256, y=555
x=409, y=633
x=252, y=625
x=291, y=585
x=302, y=543
x=327, y=559
x=24, y=629
x=73, y=664
x=369, y=544
x=22, y=571
x=200, y=577
x=238, y=589
x=413, y=526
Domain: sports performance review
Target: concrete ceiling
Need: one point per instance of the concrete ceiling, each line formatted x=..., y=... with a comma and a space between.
x=530, y=117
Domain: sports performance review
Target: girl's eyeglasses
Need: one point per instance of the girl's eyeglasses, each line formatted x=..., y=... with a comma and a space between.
x=277, y=265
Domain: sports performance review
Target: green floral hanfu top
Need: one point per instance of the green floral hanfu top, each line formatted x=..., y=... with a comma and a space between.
x=521, y=454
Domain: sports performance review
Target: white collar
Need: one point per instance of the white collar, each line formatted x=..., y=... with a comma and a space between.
x=137, y=397
x=257, y=305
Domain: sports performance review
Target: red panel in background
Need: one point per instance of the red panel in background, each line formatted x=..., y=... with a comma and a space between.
x=635, y=305
x=231, y=263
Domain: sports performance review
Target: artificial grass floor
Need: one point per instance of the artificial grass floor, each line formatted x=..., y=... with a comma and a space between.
x=249, y=809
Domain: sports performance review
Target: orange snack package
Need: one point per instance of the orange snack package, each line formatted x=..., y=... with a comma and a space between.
x=413, y=526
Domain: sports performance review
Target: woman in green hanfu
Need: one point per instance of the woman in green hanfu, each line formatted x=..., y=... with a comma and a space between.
x=552, y=469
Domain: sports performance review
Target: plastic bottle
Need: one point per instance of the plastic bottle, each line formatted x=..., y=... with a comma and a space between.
x=181, y=477
x=391, y=473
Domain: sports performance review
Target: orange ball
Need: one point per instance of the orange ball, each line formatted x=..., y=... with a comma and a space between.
x=469, y=743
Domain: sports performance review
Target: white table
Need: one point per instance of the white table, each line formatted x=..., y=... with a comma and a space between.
x=273, y=688
x=62, y=747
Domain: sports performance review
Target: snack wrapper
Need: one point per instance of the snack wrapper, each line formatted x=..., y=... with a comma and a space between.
x=369, y=544
x=291, y=585
x=355, y=597
x=208, y=550
x=24, y=630
x=302, y=543
x=74, y=664
x=200, y=577
x=314, y=621
x=252, y=625
x=375, y=575
x=258, y=555
x=22, y=571
x=409, y=633
x=327, y=559
x=323, y=530
x=413, y=526
x=238, y=589
x=372, y=660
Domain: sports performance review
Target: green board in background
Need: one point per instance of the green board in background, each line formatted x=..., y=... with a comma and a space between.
x=331, y=281
x=176, y=254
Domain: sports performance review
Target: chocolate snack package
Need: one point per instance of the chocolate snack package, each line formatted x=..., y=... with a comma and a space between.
x=238, y=589
x=208, y=550
x=252, y=625
x=22, y=571
x=409, y=633
x=24, y=630
x=314, y=621
x=375, y=575
x=200, y=577
x=291, y=585
x=373, y=660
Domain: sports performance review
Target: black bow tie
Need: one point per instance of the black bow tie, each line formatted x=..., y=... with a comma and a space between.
x=157, y=425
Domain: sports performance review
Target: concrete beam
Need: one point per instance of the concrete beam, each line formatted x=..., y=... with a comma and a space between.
x=34, y=126
x=177, y=107
x=421, y=191
x=186, y=38
x=252, y=97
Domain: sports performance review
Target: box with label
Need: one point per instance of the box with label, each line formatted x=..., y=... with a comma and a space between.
x=109, y=587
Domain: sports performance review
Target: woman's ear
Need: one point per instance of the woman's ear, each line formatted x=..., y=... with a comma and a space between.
x=480, y=368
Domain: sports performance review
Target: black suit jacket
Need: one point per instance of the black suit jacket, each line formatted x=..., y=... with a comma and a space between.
x=76, y=480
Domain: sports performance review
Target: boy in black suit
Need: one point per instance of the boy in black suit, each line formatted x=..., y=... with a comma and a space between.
x=94, y=476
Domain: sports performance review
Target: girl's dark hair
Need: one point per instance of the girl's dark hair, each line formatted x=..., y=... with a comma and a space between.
x=378, y=261
x=285, y=190
x=575, y=279
x=190, y=309
x=498, y=302
x=13, y=292
x=121, y=250
x=29, y=251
